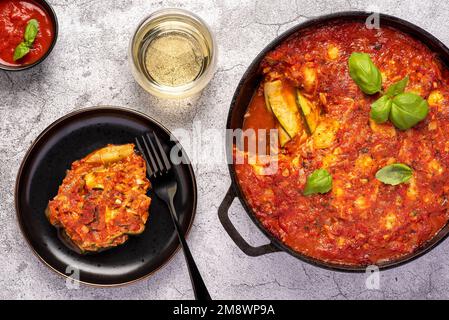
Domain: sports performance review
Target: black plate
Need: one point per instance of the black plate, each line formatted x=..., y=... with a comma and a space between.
x=43, y=169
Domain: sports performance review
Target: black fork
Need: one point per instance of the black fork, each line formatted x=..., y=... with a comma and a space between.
x=165, y=186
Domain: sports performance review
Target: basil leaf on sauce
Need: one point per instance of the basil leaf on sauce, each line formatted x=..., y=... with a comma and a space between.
x=29, y=36
x=404, y=109
x=380, y=110
x=21, y=50
x=31, y=31
x=320, y=181
x=363, y=71
x=395, y=174
x=398, y=87
x=407, y=110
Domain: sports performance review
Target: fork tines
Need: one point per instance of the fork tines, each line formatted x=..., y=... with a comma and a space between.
x=151, y=149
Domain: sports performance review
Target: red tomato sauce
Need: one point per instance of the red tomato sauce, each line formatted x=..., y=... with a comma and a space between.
x=361, y=221
x=14, y=17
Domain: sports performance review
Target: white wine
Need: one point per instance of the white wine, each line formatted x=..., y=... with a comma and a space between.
x=173, y=54
x=173, y=59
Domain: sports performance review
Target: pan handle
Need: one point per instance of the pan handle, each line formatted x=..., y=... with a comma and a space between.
x=223, y=215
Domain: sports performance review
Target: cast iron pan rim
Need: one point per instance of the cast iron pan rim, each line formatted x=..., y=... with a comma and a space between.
x=51, y=127
x=345, y=15
x=52, y=14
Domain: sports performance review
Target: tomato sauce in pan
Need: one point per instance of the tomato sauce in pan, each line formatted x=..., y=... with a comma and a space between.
x=361, y=221
x=14, y=17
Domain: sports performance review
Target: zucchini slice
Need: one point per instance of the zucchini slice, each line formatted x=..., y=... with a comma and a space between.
x=310, y=111
x=283, y=104
x=267, y=101
x=284, y=138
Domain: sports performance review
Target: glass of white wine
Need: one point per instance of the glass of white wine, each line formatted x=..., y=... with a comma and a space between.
x=173, y=54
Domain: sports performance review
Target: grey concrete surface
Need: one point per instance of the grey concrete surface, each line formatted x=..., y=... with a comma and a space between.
x=89, y=67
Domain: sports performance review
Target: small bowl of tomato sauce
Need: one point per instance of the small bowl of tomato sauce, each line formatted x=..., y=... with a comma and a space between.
x=28, y=33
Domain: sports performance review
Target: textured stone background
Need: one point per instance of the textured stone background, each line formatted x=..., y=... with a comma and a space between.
x=89, y=67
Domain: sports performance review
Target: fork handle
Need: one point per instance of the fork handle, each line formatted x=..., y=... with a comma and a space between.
x=199, y=288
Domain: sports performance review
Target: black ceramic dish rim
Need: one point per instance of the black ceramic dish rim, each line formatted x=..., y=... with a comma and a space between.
x=52, y=14
x=415, y=32
x=31, y=149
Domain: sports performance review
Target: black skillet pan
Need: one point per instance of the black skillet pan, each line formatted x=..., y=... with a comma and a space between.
x=242, y=97
x=43, y=169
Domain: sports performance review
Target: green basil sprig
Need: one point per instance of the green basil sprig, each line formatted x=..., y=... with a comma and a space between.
x=29, y=36
x=320, y=181
x=395, y=174
x=363, y=71
x=405, y=110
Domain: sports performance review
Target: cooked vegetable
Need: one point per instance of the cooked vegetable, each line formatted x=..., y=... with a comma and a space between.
x=284, y=138
x=30, y=34
x=319, y=182
x=384, y=129
x=92, y=181
x=395, y=174
x=365, y=73
x=332, y=52
x=283, y=105
x=267, y=101
x=325, y=133
x=407, y=110
x=435, y=98
x=110, y=154
x=309, y=74
x=310, y=111
x=102, y=200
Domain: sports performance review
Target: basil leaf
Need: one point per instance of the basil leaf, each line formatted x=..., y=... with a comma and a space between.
x=31, y=31
x=21, y=50
x=395, y=174
x=407, y=110
x=363, y=71
x=398, y=87
x=320, y=181
x=24, y=47
x=380, y=110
